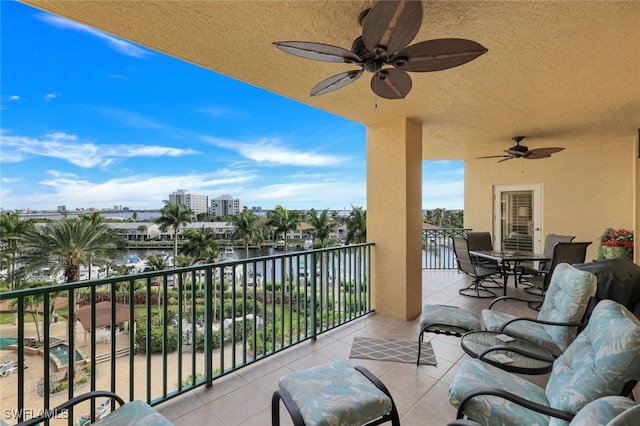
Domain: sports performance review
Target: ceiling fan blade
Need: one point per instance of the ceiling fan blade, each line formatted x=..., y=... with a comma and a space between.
x=515, y=152
x=536, y=156
x=505, y=159
x=391, y=83
x=544, y=151
x=391, y=25
x=494, y=156
x=336, y=82
x=317, y=51
x=436, y=55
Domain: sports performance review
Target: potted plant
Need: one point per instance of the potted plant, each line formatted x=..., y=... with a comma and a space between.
x=616, y=243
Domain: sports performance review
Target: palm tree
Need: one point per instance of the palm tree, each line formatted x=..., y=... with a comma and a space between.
x=283, y=221
x=11, y=229
x=321, y=225
x=174, y=215
x=67, y=244
x=157, y=263
x=202, y=245
x=95, y=218
x=246, y=228
x=357, y=225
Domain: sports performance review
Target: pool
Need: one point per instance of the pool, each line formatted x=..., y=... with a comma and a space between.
x=7, y=341
x=60, y=354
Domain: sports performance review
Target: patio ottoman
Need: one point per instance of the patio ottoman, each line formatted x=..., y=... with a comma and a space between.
x=336, y=393
x=445, y=319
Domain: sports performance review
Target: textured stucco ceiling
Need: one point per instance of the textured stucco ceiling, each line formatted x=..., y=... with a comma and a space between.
x=562, y=73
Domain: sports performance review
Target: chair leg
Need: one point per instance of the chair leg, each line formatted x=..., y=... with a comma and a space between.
x=477, y=287
x=393, y=415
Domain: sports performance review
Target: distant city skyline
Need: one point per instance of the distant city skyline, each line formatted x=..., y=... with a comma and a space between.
x=90, y=120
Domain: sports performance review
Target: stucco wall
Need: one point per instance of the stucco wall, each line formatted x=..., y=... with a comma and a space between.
x=584, y=190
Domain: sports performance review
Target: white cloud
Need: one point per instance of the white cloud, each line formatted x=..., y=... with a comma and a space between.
x=114, y=43
x=51, y=96
x=83, y=154
x=272, y=152
x=221, y=112
x=132, y=119
x=136, y=191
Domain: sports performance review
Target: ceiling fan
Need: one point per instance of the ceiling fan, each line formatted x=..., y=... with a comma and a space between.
x=387, y=28
x=521, y=151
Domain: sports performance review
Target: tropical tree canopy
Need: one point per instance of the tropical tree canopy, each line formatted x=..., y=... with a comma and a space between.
x=174, y=215
x=321, y=224
x=246, y=228
x=201, y=245
x=11, y=230
x=357, y=225
x=444, y=218
x=67, y=244
x=283, y=221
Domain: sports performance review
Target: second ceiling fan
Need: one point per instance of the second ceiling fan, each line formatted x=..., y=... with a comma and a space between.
x=521, y=151
x=387, y=28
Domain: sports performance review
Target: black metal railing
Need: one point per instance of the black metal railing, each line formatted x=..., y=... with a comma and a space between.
x=172, y=330
x=438, y=248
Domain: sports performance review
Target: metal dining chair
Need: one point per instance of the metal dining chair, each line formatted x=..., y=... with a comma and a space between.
x=570, y=253
x=543, y=267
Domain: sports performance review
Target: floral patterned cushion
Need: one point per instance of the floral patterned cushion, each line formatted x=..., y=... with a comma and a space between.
x=610, y=410
x=134, y=413
x=597, y=364
x=566, y=300
x=335, y=394
x=600, y=361
x=492, y=410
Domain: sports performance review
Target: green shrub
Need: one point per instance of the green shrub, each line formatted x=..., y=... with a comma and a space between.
x=156, y=337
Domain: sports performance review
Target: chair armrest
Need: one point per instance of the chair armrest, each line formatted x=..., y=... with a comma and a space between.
x=49, y=414
x=519, y=299
x=286, y=398
x=537, y=321
x=534, y=406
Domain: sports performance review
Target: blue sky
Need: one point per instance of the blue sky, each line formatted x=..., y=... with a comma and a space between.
x=90, y=120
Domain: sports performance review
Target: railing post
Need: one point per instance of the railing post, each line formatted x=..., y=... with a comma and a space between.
x=312, y=298
x=208, y=329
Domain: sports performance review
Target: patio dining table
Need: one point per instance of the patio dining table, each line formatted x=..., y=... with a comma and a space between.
x=509, y=261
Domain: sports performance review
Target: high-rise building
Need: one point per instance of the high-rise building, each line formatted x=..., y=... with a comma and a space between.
x=226, y=205
x=197, y=203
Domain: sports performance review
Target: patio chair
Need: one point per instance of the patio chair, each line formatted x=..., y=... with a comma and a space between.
x=560, y=317
x=570, y=253
x=480, y=271
x=543, y=267
x=607, y=411
x=480, y=241
x=130, y=413
x=602, y=361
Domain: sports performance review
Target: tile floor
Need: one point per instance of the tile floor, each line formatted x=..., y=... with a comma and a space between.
x=420, y=393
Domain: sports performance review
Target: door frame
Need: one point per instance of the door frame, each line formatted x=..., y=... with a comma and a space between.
x=537, y=210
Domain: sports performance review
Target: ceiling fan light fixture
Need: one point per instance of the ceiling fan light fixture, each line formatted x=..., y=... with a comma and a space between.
x=387, y=29
x=521, y=151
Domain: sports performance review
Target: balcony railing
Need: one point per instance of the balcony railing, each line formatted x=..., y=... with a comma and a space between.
x=173, y=330
x=438, y=248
